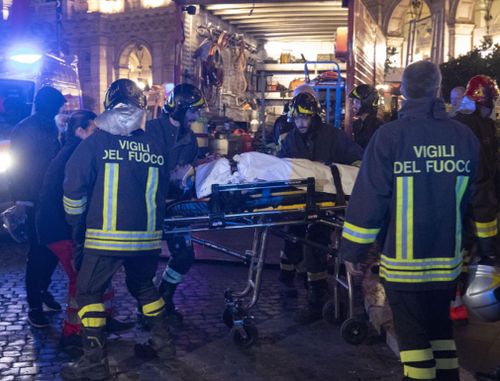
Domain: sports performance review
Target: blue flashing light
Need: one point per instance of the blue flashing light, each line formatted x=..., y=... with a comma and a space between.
x=24, y=53
x=26, y=58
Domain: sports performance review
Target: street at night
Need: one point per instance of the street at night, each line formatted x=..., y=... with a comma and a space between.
x=250, y=190
x=284, y=351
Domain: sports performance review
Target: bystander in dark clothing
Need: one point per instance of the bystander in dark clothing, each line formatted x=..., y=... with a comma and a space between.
x=34, y=143
x=364, y=128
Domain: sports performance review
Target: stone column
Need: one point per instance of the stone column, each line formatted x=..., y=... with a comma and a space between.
x=460, y=39
x=480, y=22
x=157, y=55
x=438, y=32
x=99, y=70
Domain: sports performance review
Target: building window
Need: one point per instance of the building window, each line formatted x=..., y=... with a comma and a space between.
x=106, y=6
x=155, y=3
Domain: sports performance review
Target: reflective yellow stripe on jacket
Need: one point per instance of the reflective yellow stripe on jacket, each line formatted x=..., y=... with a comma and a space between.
x=74, y=207
x=404, y=268
x=115, y=240
x=460, y=187
x=404, y=217
x=110, y=198
x=109, y=238
x=151, y=188
x=359, y=234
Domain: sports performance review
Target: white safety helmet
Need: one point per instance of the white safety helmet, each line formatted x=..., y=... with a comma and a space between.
x=482, y=297
x=305, y=88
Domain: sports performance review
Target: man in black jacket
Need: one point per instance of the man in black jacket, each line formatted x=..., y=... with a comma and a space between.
x=174, y=129
x=34, y=143
x=314, y=141
x=66, y=243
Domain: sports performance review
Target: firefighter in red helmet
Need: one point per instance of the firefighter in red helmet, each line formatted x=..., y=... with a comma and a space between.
x=477, y=111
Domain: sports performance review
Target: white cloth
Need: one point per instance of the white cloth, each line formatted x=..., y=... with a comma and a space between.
x=256, y=166
x=348, y=175
x=214, y=172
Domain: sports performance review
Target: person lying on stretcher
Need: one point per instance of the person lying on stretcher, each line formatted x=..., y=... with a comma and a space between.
x=314, y=141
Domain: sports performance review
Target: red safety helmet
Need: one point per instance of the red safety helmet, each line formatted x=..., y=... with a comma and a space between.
x=482, y=89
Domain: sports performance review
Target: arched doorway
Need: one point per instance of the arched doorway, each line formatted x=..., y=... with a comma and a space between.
x=475, y=19
x=135, y=63
x=409, y=29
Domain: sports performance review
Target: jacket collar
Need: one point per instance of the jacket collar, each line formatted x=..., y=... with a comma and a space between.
x=122, y=120
x=433, y=107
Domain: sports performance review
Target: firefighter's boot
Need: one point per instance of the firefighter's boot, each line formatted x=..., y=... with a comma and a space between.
x=160, y=344
x=317, y=295
x=93, y=365
x=172, y=315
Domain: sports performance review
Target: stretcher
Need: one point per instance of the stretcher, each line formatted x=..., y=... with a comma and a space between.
x=267, y=208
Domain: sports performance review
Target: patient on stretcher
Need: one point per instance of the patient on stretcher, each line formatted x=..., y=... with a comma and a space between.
x=256, y=166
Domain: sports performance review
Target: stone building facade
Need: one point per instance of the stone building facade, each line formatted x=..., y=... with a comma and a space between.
x=445, y=29
x=133, y=42
x=143, y=39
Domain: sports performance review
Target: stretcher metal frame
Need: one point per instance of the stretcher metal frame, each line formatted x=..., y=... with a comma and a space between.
x=265, y=221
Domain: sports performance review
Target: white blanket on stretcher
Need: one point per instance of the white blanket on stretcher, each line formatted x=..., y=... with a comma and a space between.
x=256, y=166
x=208, y=174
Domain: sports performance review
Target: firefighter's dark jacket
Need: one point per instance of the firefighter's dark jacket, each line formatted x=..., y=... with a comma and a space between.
x=180, y=143
x=121, y=181
x=363, y=129
x=34, y=143
x=51, y=224
x=485, y=203
x=321, y=143
x=414, y=184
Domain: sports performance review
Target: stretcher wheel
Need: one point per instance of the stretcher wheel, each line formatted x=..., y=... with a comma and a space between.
x=329, y=313
x=227, y=317
x=354, y=331
x=251, y=336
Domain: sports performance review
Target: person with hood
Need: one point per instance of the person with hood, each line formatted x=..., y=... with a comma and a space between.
x=311, y=139
x=477, y=112
x=173, y=128
x=54, y=232
x=116, y=180
x=415, y=186
x=34, y=143
x=365, y=107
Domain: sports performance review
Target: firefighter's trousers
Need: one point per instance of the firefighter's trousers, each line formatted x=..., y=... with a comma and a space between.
x=96, y=273
x=425, y=333
x=181, y=257
x=315, y=260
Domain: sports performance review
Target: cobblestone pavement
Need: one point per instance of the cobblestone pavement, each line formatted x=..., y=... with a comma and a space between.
x=285, y=350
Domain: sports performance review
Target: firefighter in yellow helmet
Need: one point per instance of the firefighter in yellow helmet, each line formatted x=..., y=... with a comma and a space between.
x=311, y=139
x=365, y=107
x=116, y=180
x=173, y=128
